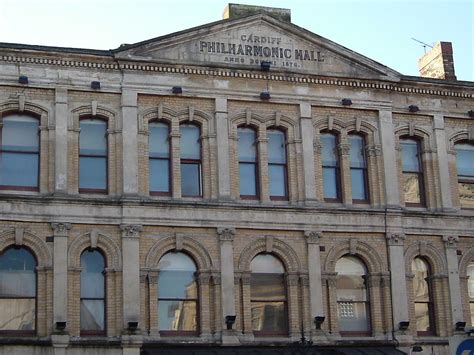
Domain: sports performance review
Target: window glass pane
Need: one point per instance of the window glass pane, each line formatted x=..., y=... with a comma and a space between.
x=410, y=157
x=267, y=287
x=411, y=188
x=190, y=142
x=92, y=173
x=190, y=179
x=247, y=145
x=329, y=153
x=93, y=137
x=266, y=264
x=159, y=175
x=470, y=281
x=359, y=191
x=17, y=273
x=353, y=316
x=20, y=133
x=350, y=282
x=19, y=169
x=465, y=159
x=158, y=141
x=466, y=194
x=177, y=315
x=248, y=179
x=92, y=274
x=419, y=269
x=177, y=284
x=92, y=315
x=176, y=262
x=276, y=146
x=17, y=314
x=422, y=317
x=330, y=183
x=356, y=153
x=269, y=316
x=277, y=180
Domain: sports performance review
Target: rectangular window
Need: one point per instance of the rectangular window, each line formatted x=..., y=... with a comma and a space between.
x=248, y=173
x=191, y=184
x=159, y=159
x=465, y=169
x=277, y=167
x=412, y=172
x=358, y=169
x=330, y=163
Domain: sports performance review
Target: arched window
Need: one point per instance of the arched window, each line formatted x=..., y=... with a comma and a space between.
x=177, y=294
x=92, y=293
x=470, y=288
x=359, y=180
x=465, y=166
x=93, y=156
x=353, y=305
x=191, y=173
x=248, y=170
x=19, y=153
x=412, y=172
x=17, y=291
x=422, y=297
x=331, y=167
x=268, y=296
x=159, y=158
x=277, y=169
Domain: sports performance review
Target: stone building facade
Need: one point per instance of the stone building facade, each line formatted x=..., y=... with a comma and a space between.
x=349, y=166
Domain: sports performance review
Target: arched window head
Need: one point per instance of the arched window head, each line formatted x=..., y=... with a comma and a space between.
x=248, y=163
x=465, y=168
x=268, y=296
x=191, y=171
x=93, y=156
x=19, y=153
x=177, y=294
x=92, y=292
x=359, y=179
x=352, y=296
x=413, y=187
x=470, y=289
x=159, y=158
x=331, y=167
x=422, y=297
x=277, y=167
x=17, y=291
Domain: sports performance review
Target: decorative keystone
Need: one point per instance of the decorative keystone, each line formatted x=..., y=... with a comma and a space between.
x=226, y=234
x=313, y=237
x=130, y=230
x=395, y=238
x=450, y=241
x=60, y=228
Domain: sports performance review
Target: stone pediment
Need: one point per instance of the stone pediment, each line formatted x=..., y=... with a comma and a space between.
x=244, y=43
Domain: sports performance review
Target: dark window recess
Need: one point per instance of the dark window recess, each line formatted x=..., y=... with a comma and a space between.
x=191, y=171
x=159, y=159
x=248, y=163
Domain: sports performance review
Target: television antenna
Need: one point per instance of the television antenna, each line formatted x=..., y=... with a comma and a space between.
x=423, y=44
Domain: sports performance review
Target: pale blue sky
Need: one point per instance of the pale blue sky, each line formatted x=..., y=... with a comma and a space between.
x=379, y=29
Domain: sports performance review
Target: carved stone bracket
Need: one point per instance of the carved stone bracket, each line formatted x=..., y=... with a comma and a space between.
x=313, y=237
x=292, y=279
x=130, y=230
x=226, y=234
x=374, y=150
x=344, y=148
x=60, y=229
x=450, y=241
x=395, y=239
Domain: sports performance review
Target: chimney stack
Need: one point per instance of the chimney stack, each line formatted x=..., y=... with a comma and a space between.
x=438, y=63
x=234, y=11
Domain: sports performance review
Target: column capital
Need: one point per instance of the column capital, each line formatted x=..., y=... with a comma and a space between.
x=395, y=239
x=344, y=148
x=313, y=237
x=226, y=234
x=130, y=230
x=450, y=241
x=373, y=150
x=60, y=229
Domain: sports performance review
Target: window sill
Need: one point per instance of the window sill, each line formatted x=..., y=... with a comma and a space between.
x=19, y=192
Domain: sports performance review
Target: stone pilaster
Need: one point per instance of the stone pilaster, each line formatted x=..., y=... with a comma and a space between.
x=60, y=138
x=223, y=163
x=226, y=237
x=307, y=136
x=392, y=189
x=443, y=164
x=130, y=142
x=450, y=247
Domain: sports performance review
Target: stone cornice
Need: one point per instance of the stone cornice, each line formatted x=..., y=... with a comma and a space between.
x=403, y=87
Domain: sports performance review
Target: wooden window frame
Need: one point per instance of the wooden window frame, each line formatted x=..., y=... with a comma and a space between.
x=254, y=163
x=285, y=197
x=37, y=153
x=420, y=173
x=430, y=302
x=106, y=156
x=337, y=168
x=170, y=179
x=193, y=161
x=365, y=201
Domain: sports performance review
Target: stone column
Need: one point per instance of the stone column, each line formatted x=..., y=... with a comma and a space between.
x=226, y=236
x=60, y=271
x=175, y=137
x=398, y=278
x=130, y=143
x=204, y=292
x=131, y=273
x=344, y=149
x=443, y=165
x=60, y=136
x=450, y=246
x=223, y=164
x=333, y=320
x=293, y=311
x=246, y=305
x=314, y=268
x=307, y=136
x=153, y=303
x=262, y=142
x=392, y=190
